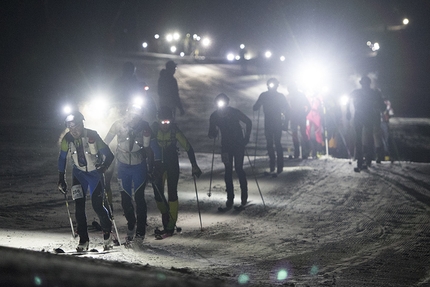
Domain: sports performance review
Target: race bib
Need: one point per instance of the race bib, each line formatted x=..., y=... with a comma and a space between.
x=77, y=192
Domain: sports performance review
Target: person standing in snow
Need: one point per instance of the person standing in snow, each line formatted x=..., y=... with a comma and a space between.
x=167, y=135
x=233, y=143
x=168, y=91
x=368, y=105
x=300, y=108
x=314, y=128
x=275, y=108
x=133, y=148
x=385, y=127
x=91, y=157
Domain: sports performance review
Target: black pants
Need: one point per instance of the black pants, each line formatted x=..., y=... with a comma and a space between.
x=295, y=124
x=273, y=138
x=97, y=201
x=237, y=155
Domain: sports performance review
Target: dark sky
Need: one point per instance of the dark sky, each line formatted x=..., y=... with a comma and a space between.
x=38, y=30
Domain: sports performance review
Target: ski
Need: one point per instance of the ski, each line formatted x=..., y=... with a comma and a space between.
x=242, y=206
x=223, y=209
x=93, y=251
x=163, y=236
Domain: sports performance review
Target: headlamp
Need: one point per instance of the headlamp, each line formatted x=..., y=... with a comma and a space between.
x=220, y=104
x=165, y=122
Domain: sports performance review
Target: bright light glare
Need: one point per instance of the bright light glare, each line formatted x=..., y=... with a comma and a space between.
x=169, y=37
x=173, y=49
x=344, y=100
x=375, y=47
x=138, y=100
x=206, y=42
x=312, y=77
x=242, y=46
x=220, y=104
x=156, y=36
x=98, y=106
x=282, y=58
x=282, y=275
x=176, y=36
x=230, y=57
x=67, y=109
x=182, y=54
x=405, y=21
x=145, y=45
x=268, y=54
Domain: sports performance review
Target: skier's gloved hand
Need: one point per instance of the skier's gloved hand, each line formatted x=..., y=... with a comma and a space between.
x=196, y=171
x=62, y=185
x=101, y=168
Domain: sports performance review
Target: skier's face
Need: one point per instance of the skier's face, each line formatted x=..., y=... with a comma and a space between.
x=165, y=125
x=75, y=129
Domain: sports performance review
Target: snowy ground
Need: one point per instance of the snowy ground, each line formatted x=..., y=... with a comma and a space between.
x=321, y=224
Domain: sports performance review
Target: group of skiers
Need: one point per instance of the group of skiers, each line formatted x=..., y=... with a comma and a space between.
x=148, y=152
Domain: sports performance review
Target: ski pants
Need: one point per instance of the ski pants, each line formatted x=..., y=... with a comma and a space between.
x=167, y=172
x=91, y=181
x=130, y=176
x=237, y=154
x=273, y=137
x=297, y=123
x=367, y=135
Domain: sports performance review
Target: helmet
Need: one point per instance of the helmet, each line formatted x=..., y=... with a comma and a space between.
x=222, y=100
x=171, y=65
x=272, y=83
x=165, y=113
x=365, y=81
x=74, y=119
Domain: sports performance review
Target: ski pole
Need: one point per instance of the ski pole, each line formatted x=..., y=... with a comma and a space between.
x=255, y=177
x=163, y=198
x=212, y=168
x=198, y=205
x=70, y=218
x=102, y=181
x=256, y=135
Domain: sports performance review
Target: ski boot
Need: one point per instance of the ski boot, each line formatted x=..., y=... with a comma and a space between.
x=107, y=241
x=83, y=246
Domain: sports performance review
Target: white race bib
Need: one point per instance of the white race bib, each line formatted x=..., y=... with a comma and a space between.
x=77, y=192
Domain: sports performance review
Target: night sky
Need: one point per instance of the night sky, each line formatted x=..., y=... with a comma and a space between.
x=48, y=32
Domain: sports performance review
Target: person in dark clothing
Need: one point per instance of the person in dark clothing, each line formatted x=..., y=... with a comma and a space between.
x=125, y=87
x=168, y=91
x=166, y=161
x=233, y=143
x=134, y=156
x=300, y=108
x=368, y=105
x=275, y=108
x=91, y=157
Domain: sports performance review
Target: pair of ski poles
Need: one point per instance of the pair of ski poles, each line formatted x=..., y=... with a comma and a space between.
x=250, y=163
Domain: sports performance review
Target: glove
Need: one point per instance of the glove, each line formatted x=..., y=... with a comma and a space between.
x=62, y=185
x=196, y=171
x=101, y=168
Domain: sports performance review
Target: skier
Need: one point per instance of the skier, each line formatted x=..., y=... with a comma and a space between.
x=125, y=87
x=275, y=108
x=300, y=108
x=91, y=157
x=385, y=127
x=133, y=148
x=167, y=135
x=233, y=143
x=368, y=105
x=314, y=129
x=168, y=91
